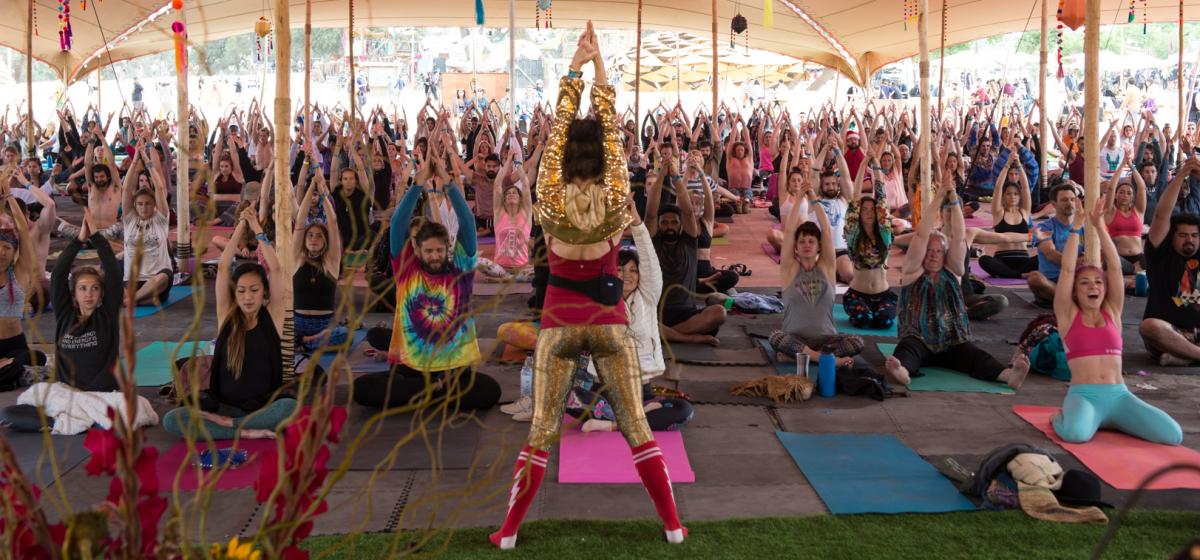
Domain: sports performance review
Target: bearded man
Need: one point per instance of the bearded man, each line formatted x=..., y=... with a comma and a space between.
x=433, y=350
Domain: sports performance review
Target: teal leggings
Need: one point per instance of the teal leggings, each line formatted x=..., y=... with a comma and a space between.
x=266, y=418
x=1088, y=408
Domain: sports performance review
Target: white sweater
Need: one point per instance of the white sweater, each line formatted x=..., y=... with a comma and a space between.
x=642, y=306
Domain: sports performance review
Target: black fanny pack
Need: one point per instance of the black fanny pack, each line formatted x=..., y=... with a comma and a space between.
x=604, y=289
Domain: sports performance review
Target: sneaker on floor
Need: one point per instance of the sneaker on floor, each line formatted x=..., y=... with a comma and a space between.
x=524, y=415
x=521, y=404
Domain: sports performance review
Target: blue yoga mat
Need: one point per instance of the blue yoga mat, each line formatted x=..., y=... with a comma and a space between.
x=178, y=293
x=782, y=368
x=842, y=322
x=155, y=360
x=871, y=473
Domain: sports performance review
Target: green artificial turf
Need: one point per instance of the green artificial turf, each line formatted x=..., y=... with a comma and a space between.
x=983, y=534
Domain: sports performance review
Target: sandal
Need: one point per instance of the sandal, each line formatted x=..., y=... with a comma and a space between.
x=740, y=269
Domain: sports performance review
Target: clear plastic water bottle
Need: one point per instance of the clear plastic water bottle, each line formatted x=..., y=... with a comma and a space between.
x=527, y=377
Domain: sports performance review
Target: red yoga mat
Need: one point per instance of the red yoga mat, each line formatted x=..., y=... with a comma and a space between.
x=228, y=479
x=1123, y=461
x=770, y=251
x=605, y=458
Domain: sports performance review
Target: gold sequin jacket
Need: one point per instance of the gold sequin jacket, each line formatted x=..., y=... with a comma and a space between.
x=583, y=214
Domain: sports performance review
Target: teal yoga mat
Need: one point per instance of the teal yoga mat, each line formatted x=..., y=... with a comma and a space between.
x=842, y=322
x=871, y=473
x=155, y=360
x=936, y=379
x=178, y=294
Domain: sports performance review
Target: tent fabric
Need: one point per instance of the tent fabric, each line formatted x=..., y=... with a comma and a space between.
x=851, y=37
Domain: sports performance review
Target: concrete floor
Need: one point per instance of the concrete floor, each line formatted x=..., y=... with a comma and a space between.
x=741, y=468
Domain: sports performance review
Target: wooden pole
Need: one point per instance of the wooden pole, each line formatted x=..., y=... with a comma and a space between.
x=307, y=68
x=1091, y=124
x=716, y=87
x=942, y=63
x=283, y=180
x=31, y=146
x=637, y=73
x=926, y=137
x=183, y=145
x=1043, y=130
x=353, y=85
x=1182, y=127
x=512, y=63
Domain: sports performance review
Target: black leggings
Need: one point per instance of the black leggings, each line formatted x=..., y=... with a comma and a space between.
x=17, y=348
x=1128, y=263
x=966, y=358
x=1008, y=264
x=23, y=418
x=725, y=279
x=466, y=389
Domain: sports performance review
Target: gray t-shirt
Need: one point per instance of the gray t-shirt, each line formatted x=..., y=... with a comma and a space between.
x=678, y=261
x=808, y=305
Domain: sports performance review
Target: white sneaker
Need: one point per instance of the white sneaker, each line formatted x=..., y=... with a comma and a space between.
x=521, y=404
x=524, y=415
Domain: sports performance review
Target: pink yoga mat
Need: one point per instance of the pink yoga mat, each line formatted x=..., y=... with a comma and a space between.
x=770, y=251
x=978, y=222
x=605, y=458
x=192, y=477
x=982, y=274
x=1123, y=461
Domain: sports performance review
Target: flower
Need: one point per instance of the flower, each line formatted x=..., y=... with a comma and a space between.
x=103, y=445
x=146, y=469
x=337, y=417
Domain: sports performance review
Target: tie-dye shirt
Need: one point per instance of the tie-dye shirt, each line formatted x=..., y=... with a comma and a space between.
x=434, y=329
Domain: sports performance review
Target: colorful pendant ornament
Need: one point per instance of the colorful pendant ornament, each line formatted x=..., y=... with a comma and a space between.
x=1059, y=26
x=262, y=35
x=544, y=7
x=64, y=25
x=912, y=10
x=36, y=32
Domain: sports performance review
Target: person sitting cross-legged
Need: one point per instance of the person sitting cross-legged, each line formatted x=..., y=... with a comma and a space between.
x=933, y=325
x=1171, y=325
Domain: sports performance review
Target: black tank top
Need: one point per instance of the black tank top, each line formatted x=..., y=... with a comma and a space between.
x=705, y=239
x=1005, y=227
x=314, y=290
x=262, y=366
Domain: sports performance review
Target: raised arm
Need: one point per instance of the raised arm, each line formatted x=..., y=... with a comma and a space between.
x=1161, y=224
x=225, y=300
x=787, y=250
x=1064, y=294
x=915, y=257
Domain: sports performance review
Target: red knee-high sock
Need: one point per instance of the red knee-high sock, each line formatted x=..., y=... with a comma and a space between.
x=652, y=469
x=527, y=477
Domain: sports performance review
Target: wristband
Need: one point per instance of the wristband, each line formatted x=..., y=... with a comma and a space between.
x=574, y=74
x=1076, y=231
x=262, y=238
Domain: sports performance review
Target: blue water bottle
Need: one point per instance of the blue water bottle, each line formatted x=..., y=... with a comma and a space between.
x=1141, y=285
x=827, y=376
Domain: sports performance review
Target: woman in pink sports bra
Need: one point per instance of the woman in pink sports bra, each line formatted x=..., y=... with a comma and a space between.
x=1089, y=321
x=739, y=166
x=1123, y=216
x=513, y=222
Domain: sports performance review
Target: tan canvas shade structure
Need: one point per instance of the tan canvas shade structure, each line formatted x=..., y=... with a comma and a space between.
x=852, y=37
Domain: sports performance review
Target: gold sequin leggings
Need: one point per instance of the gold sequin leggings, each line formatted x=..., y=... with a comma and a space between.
x=616, y=362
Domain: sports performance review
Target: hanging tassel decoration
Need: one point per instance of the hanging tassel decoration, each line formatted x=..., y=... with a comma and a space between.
x=737, y=26
x=1131, y=8
x=478, y=12
x=36, y=33
x=1061, y=74
x=543, y=6
x=768, y=13
x=180, y=47
x=64, y=25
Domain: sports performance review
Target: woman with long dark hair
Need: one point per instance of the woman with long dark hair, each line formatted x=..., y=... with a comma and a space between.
x=247, y=367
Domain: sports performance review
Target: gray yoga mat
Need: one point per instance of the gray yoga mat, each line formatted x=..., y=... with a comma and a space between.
x=449, y=446
x=704, y=355
x=30, y=448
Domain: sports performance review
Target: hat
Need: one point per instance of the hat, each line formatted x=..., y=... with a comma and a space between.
x=851, y=134
x=1080, y=488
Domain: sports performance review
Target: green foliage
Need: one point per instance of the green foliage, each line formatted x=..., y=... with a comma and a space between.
x=1010, y=534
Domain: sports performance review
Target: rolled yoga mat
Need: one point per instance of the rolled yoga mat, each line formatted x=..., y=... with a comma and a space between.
x=1121, y=460
x=871, y=473
x=937, y=379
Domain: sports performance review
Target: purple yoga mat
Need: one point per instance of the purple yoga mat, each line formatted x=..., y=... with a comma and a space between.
x=770, y=251
x=605, y=458
x=980, y=273
x=192, y=477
